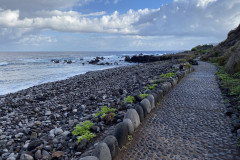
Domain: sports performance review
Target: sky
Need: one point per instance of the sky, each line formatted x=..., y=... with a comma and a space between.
x=114, y=25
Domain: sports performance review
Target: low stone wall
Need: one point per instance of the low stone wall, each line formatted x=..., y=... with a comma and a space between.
x=109, y=147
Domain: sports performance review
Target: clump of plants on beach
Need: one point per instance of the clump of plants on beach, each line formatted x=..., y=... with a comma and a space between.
x=83, y=131
x=158, y=81
x=168, y=75
x=129, y=99
x=143, y=95
x=105, y=110
x=151, y=87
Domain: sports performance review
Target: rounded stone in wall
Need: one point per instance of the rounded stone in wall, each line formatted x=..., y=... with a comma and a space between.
x=140, y=112
x=133, y=116
x=151, y=100
x=121, y=133
x=146, y=106
x=130, y=125
x=89, y=158
x=102, y=152
x=112, y=144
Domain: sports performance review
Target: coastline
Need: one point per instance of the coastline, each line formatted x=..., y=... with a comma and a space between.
x=34, y=113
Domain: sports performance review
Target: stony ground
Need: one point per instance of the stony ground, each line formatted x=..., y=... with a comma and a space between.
x=37, y=122
x=189, y=124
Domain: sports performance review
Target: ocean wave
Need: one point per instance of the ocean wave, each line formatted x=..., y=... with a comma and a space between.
x=4, y=63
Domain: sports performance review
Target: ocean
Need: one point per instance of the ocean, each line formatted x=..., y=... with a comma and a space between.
x=21, y=70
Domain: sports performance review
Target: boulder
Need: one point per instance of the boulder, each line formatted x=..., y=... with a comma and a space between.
x=112, y=144
x=179, y=74
x=89, y=158
x=164, y=88
x=140, y=112
x=133, y=116
x=121, y=133
x=155, y=98
x=102, y=152
x=151, y=100
x=130, y=125
x=173, y=81
x=146, y=106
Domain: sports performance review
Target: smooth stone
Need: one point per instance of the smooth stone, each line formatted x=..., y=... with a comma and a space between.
x=48, y=113
x=156, y=98
x=38, y=154
x=102, y=151
x=89, y=158
x=133, y=116
x=164, y=88
x=151, y=100
x=25, y=156
x=112, y=144
x=52, y=133
x=146, y=106
x=140, y=112
x=121, y=133
x=130, y=125
x=45, y=155
x=66, y=133
x=58, y=131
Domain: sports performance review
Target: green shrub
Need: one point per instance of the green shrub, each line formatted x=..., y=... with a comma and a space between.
x=202, y=49
x=129, y=99
x=151, y=87
x=182, y=60
x=104, y=111
x=188, y=65
x=168, y=75
x=143, y=95
x=232, y=82
x=83, y=131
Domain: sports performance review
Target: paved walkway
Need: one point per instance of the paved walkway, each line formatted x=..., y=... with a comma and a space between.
x=190, y=124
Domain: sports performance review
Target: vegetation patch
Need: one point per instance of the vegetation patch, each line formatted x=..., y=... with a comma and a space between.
x=104, y=111
x=182, y=60
x=168, y=75
x=83, y=131
x=202, y=49
x=143, y=95
x=229, y=81
x=129, y=99
x=151, y=87
x=188, y=65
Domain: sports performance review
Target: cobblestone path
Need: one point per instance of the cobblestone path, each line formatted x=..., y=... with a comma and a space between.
x=189, y=125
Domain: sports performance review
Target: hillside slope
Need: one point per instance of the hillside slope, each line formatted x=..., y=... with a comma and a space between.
x=227, y=53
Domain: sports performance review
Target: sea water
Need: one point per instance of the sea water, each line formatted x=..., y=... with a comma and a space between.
x=21, y=70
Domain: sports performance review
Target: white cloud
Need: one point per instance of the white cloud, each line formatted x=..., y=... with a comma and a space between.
x=75, y=22
x=115, y=1
x=211, y=19
x=33, y=5
x=36, y=40
x=204, y=3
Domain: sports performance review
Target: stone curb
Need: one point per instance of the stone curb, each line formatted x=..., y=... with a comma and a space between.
x=109, y=148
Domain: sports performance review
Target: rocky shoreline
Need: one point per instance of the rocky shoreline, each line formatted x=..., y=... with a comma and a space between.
x=36, y=123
